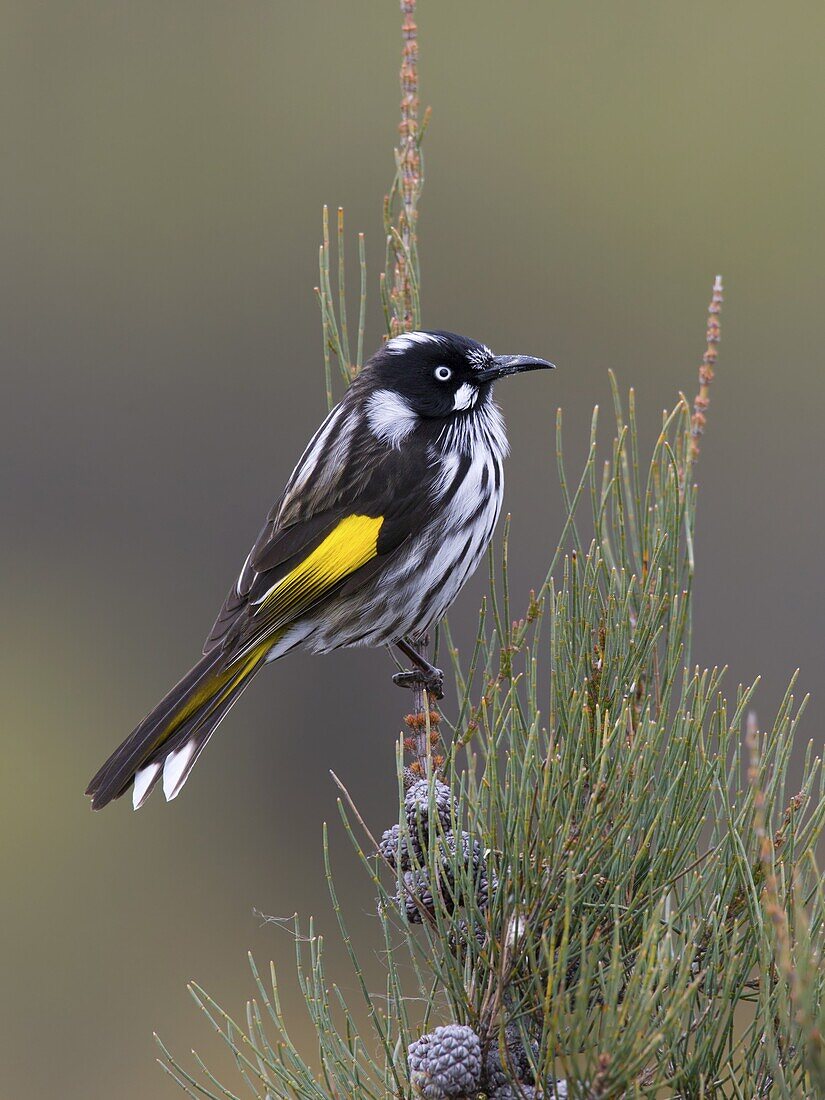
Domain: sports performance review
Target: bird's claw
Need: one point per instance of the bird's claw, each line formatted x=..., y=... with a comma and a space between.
x=432, y=682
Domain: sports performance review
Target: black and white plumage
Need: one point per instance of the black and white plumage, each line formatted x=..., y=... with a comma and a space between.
x=390, y=509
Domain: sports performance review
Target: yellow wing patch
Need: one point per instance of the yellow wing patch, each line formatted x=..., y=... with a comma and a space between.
x=350, y=545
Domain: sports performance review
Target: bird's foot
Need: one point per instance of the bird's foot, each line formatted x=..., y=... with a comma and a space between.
x=432, y=680
x=424, y=674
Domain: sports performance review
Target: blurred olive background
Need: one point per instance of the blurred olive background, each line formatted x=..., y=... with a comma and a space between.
x=590, y=167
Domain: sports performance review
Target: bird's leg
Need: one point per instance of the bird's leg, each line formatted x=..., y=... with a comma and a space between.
x=427, y=683
x=424, y=673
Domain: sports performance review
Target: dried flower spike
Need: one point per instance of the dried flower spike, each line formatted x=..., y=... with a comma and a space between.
x=707, y=369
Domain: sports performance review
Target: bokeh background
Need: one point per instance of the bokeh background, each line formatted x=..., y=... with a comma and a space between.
x=590, y=167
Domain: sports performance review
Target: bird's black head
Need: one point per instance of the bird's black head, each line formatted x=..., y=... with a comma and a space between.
x=439, y=374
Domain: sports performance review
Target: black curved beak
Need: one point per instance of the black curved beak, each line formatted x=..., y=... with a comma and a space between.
x=503, y=365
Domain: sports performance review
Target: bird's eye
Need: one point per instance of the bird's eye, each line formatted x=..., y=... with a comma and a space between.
x=443, y=374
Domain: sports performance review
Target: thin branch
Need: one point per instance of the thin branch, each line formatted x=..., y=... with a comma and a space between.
x=403, y=198
x=707, y=369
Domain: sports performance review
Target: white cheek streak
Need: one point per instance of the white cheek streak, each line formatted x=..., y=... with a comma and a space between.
x=143, y=782
x=389, y=416
x=175, y=769
x=465, y=397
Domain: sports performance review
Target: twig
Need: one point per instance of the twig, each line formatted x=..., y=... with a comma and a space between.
x=424, y=725
x=406, y=186
x=706, y=370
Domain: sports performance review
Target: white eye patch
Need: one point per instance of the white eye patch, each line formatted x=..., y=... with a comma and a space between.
x=465, y=397
x=389, y=416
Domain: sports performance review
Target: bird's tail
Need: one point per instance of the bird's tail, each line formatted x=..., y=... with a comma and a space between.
x=170, y=739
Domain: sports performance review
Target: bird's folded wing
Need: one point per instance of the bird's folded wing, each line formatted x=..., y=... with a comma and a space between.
x=348, y=546
x=291, y=568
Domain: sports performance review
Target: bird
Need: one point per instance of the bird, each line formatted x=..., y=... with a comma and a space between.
x=388, y=512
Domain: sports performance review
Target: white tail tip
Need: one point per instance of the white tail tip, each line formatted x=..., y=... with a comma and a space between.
x=144, y=779
x=176, y=769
